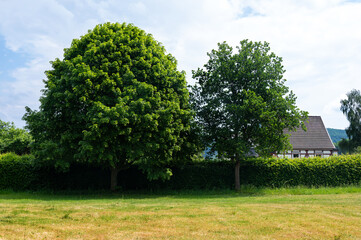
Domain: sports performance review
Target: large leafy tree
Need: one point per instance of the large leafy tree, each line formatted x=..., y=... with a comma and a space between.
x=14, y=139
x=116, y=99
x=351, y=107
x=242, y=103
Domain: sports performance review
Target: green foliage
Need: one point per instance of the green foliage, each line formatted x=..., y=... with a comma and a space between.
x=357, y=150
x=345, y=146
x=274, y=172
x=241, y=101
x=116, y=99
x=351, y=107
x=16, y=172
x=332, y=171
x=20, y=173
x=14, y=139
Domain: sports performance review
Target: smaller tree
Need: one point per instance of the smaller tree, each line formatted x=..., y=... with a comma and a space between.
x=14, y=139
x=242, y=103
x=344, y=146
x=351, y=107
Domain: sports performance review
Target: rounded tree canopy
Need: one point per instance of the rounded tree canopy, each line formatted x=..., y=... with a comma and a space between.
x=242, y=101
x=116, y=98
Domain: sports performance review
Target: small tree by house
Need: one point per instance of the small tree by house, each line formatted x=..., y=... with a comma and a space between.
x=242, y=103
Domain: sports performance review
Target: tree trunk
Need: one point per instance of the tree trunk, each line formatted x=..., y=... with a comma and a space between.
x=114, y=178
x=237, y=183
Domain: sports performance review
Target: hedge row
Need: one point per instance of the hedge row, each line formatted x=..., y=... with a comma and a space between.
x=16, y=172
x=19, y=173
x=332, y=171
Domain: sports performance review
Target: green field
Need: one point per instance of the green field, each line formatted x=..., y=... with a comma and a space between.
x=295, y=213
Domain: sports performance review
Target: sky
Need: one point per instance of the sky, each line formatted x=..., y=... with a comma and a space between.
x=319, y=41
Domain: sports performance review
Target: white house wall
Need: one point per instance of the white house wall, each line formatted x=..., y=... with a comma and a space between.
x=307, y=153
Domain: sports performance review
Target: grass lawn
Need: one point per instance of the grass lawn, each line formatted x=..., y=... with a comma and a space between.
x=290, y=213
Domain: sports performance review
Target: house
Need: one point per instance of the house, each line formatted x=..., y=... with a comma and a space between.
x=313, y=142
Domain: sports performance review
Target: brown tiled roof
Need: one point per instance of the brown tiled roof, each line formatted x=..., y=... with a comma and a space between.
x=315, y=138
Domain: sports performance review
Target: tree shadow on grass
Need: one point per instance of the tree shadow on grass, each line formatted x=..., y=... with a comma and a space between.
x=74, y=195
x=246, y=191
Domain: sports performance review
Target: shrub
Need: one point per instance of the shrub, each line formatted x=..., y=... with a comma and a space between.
x=16, y=172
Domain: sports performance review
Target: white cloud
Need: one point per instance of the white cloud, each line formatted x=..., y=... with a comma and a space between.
x=318, y=40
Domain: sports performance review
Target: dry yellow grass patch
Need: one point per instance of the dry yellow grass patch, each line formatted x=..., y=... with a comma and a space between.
x=328, y=216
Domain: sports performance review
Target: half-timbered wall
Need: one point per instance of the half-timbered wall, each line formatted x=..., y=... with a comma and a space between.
x=307, y=153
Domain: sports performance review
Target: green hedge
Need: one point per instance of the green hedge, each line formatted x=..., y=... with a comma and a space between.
x=206, y=175
x=16, y=171
x=20, y=173
x=332, y=171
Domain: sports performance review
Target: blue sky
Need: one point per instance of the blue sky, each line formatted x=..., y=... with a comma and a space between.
x=319, y=41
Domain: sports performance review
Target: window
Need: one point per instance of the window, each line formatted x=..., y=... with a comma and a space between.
x=295, y=156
